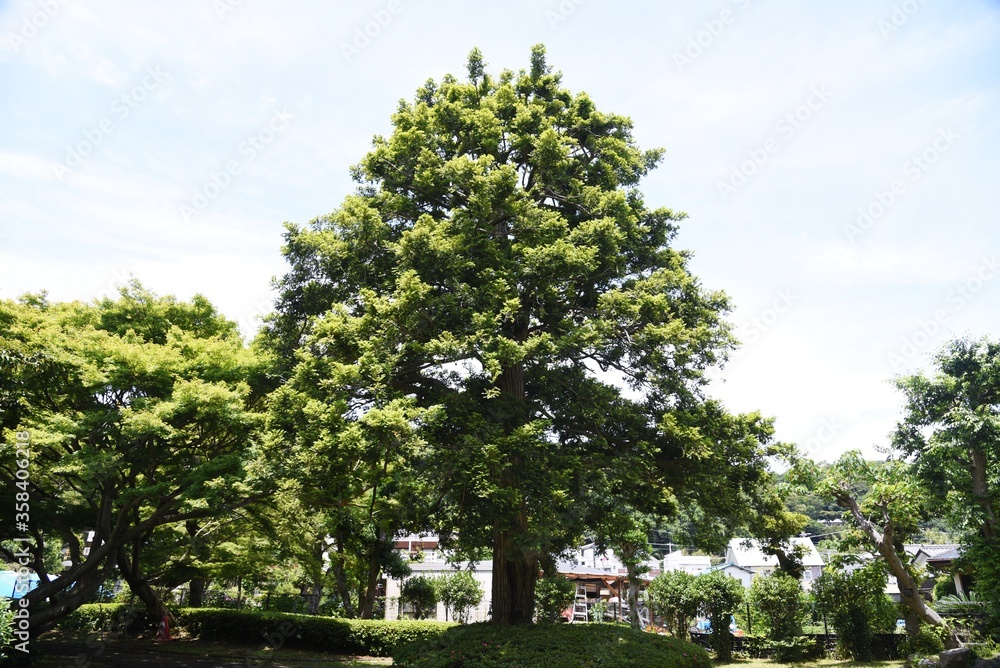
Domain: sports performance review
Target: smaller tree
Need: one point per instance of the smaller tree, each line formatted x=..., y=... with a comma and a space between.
x=857, y=606
x=553, y=594
x=460, y=592
x=673, y=599
x=6, y=628
x=420, y=594
x=718, y=596
x=779, y=600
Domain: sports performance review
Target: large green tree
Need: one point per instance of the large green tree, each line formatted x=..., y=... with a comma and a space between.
x=499, y=275
x=951, y=431
x=141, y=412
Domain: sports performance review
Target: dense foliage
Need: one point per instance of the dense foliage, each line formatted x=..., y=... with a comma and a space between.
x=856, y=606
x=718, y=597
x=951, y=431
x=550, y=646
x=420, y=595
x=459, y=592
x=781, y=603
x=463, y=316
x=673, y=599
x=553, y=594
x=143, y=410
x=253, y=627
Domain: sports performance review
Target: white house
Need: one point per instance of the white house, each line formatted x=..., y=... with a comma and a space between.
x=747, y=554
x=744, y=575
x=678, y=561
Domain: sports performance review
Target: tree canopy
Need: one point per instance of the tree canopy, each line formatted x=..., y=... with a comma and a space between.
x=499, y=283
x=141, y=412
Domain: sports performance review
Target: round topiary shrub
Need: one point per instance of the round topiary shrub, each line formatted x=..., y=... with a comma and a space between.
x=550, y=646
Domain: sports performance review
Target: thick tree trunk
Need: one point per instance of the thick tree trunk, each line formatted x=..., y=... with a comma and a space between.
x=633, y=596
x=515, y=573
x=367, y=604
x=981, y=492
x=196, y=595
x=140, y=587
x=340, y=576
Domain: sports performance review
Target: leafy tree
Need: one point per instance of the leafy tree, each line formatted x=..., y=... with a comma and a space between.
x=673, y=598
x=553, y=594
x=420, y=594
x=6, y=628
x=460, y=592
x=780, y=601
x=886, y=518
x=345, y=471
x=951, y=430
x=495, y=274
x=719, y=595
x=142, y=412
x=856, y=605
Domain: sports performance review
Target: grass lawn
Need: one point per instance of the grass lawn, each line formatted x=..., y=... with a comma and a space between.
x=822, y=663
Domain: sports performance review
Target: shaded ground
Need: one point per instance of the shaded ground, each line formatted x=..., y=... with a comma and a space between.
x=181, y=654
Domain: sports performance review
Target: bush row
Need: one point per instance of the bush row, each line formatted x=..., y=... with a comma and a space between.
x=370, y=637
x=550, y=646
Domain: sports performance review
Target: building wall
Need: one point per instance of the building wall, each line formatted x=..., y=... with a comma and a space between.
x=483, y=575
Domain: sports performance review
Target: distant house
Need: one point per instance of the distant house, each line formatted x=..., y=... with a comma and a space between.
x=678, y=561
x=747, y=554
x=938, y=557
x=744, y=575
x=482, y=571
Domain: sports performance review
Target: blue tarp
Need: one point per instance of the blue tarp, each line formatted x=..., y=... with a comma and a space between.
x=8, y=584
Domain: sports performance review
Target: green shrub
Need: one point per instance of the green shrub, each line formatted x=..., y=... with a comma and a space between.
x=108, y=618
x=6, y=627
x=672, y=597
x=780, y=601
x=718, y=596
x=797, y=649
x=553, y=594
x=460, y=592
x=420, y=594
x=550, y=646
x=371, y=637
x=926, y=642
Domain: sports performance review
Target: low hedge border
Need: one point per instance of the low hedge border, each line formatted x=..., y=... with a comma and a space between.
x=550, y=646
x=368, y=637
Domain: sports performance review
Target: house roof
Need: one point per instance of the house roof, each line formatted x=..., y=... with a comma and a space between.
x=726, y=566
x=749, y=555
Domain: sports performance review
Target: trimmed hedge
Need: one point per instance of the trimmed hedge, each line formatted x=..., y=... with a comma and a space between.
x=550, y=646
x=369, y=637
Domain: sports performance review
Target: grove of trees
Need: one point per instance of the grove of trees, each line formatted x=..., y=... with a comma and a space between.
x=495, y=338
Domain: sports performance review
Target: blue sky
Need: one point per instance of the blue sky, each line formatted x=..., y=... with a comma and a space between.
x=838, y=161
